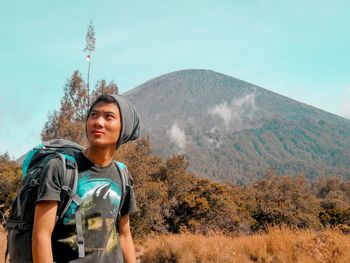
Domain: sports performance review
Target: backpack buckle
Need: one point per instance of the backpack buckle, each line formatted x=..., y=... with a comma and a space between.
x=34, y=182
x=23, y=226
x=68, y=190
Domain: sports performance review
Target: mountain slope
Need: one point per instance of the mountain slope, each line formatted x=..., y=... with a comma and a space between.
x=233, y=130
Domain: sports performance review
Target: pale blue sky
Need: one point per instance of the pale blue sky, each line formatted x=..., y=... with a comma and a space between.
x=300, y=49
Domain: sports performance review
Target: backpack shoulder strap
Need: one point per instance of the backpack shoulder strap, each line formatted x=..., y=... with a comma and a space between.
x=124, y=178
x=69, y=183
x=69, y=195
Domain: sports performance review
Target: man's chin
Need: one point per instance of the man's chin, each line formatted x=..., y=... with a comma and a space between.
x=101, y=143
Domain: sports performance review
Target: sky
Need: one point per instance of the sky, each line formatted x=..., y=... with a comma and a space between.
x=297, y=48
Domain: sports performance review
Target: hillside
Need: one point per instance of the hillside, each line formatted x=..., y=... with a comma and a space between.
x=229, y=129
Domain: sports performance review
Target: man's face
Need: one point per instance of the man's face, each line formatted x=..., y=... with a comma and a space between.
x=103, y=125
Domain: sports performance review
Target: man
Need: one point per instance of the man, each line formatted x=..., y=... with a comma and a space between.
x=111, y=121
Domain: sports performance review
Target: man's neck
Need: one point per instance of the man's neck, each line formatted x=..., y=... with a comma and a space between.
x=99, y=156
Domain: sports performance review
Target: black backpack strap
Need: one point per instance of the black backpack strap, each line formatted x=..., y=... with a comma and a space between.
x=124, y=178
x=10, y=224
x=19, y=205
x=70, y=182
x=33, y=182
x=69, y=187
x=80, y=237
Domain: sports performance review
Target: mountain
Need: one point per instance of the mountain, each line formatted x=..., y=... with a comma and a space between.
x=229, y=129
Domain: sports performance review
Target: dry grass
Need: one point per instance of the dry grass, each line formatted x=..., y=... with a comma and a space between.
x=280, y=245
x=3, y=242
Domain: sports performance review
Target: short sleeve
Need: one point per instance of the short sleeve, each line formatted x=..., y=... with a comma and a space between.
x=50, y=185
x=129, y=205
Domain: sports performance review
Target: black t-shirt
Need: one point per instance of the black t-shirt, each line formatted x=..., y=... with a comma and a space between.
x=100, y=189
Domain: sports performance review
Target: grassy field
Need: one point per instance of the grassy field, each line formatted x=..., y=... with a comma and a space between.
x=280, y=245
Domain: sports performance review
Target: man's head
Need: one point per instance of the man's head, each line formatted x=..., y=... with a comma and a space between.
x=111, y=120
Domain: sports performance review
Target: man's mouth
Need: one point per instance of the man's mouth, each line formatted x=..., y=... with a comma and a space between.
x=97, y=132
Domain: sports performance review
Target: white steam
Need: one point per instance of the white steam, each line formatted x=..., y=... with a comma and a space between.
x=177, y=135
x=233, y=114
x=223, y=111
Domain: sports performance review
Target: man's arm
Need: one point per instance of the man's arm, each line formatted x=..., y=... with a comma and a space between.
x=126, y=241
x=44, y=223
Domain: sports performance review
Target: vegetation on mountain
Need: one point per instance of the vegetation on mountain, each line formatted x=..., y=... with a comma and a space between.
x=232, y=130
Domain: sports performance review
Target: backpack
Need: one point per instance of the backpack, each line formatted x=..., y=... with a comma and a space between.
x=20, y=221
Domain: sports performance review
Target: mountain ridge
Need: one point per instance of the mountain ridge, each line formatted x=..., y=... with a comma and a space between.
x=220, y=123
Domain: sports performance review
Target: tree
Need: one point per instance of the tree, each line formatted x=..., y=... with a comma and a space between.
x=334, y=195
x=90, y=39
x=151, y=194
x=174, y=174
x=282, y=200
x=89, y=48
x=69, y=122
x=5, y=157
x=102, y=87
x=52, y=126
x=75, y=99
x=207, y=206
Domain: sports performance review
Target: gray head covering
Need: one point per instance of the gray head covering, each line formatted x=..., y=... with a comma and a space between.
x=130, y=122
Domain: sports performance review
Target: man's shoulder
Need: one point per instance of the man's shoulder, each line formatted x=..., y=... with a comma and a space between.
x=54, y=164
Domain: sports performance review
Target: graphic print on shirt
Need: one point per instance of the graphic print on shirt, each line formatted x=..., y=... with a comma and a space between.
x=101, y=199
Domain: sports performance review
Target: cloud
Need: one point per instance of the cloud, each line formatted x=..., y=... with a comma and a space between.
x=346, y=113
x=345, y=106
x=177, y=135
x=233, y=114
x=345, y=109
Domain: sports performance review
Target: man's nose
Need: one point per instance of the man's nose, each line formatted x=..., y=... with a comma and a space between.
x=99, y=121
